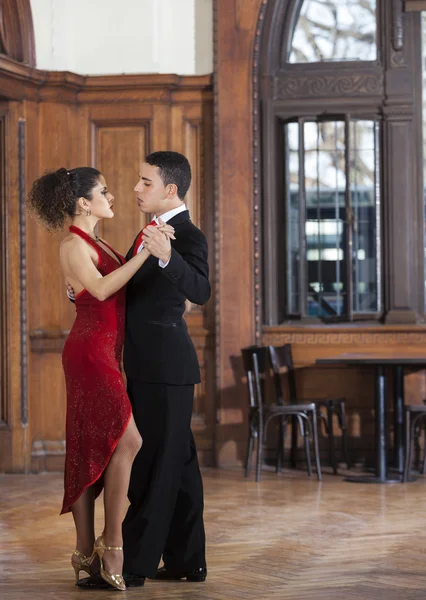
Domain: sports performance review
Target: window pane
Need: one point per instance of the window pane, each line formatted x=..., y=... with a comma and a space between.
x=365, y=200
x=291, y=141
x=330, y=30
x=333, y=210
x=325, y=183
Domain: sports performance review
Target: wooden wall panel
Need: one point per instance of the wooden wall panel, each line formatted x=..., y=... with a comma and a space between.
x=119, y=151
x=76, y=122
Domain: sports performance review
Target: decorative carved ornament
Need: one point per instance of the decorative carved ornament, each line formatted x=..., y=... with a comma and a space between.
x=354, y=338
x=17, y=31
x=297, y=86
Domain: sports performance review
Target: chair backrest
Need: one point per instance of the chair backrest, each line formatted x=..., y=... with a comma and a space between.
x=255, y=361
x=281, y=358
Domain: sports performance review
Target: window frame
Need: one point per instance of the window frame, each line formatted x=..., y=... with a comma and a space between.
x=275, y=215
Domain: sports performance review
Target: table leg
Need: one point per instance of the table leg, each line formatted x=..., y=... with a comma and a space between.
x=381, y=435
x=398, y=416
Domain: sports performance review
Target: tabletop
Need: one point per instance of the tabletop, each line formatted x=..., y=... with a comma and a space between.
x=361, y=358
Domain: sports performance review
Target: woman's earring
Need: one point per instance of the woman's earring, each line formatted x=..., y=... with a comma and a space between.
x=88, y=212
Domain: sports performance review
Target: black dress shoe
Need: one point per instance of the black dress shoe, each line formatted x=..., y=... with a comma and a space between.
x=133, y=580
x=199, y=574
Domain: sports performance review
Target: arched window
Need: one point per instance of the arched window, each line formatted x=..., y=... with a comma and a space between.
x=327, y=147
x=335, y=30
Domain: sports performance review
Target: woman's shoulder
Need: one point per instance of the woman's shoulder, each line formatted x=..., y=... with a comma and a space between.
x=71, y=242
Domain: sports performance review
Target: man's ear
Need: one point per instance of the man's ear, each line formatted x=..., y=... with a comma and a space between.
x=172, y=190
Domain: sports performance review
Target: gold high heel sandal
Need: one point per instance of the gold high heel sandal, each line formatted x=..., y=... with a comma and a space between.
x=80, y=562
x=115, y=580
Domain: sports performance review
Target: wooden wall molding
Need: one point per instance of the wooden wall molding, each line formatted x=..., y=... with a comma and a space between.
x=4, y=285
x=354, y=338
x=48, y=340
x=47, y=455
x=17, y=31
x=19, y=81
x=415, y=5
x=257, y=179
x=23, y=268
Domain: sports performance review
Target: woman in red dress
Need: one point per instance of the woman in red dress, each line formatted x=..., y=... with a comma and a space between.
x=101, y=436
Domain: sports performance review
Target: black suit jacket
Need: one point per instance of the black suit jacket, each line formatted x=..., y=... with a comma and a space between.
x=157, y=347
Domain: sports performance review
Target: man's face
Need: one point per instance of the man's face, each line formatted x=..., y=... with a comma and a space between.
x=151, y=191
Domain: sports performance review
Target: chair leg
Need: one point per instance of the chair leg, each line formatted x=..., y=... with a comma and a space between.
x=416, y=443
x=424, y=453
x=316, y=446
x=331, y=450
x=344, y=427
x=408, y=446
x=280, y=445
x=249, y=453
x=293, y=442
x=259, y=451
x=304, y=431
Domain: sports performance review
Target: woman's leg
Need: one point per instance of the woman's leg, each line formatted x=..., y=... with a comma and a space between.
x=83, y=512
x=116, y=485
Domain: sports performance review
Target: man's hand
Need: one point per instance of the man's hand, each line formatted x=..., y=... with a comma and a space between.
x=157, y=243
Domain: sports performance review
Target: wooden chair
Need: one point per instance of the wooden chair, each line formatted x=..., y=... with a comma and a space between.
x=256, y=366
x=415, y=421
x=281, y=358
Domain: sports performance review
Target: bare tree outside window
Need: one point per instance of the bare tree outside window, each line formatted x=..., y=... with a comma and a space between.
x=335, y=30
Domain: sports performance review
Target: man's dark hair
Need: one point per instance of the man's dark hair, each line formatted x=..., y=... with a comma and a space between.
x=173, y=168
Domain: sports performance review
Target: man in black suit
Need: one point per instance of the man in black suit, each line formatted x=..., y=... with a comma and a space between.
x=165, y=517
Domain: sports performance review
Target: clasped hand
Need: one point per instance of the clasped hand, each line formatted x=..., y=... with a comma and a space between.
x=157, y=240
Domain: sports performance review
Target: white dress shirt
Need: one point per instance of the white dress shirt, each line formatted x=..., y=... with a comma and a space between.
x=166, y=217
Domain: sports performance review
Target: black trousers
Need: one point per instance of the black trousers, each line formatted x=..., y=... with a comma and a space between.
x=165, y=517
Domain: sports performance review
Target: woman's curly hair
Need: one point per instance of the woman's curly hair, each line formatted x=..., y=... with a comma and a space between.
x=53, y=197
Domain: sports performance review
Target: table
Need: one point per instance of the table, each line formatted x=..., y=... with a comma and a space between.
x=398, y=364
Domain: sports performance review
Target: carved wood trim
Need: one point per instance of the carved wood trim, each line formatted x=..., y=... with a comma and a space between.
x=216, y=232
x=257, y=172
x=17, y=31
x=47, y=455
x=23, y=269
x=19, y=81
x=353, y=338
x=305, y=85
x=4, y=287
x=48, y=340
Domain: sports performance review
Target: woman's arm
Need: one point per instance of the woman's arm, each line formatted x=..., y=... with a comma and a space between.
x=78, y=264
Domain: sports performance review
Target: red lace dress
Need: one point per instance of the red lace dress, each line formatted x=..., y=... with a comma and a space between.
x=98, y=408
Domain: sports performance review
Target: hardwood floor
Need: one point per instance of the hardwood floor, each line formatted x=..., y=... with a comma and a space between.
x=287, y=537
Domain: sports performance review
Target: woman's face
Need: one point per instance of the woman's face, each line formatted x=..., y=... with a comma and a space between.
x=101, y=204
